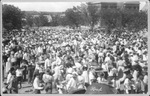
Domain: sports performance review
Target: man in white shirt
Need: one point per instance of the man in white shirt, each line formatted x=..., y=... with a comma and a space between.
x=48, y=79
x=36, y=85
x=47, y=62
x=81, y=80
x=26, y=56
x=19, y=75
x=77, y=64
x=56, y=75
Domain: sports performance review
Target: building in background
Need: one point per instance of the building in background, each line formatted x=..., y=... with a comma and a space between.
x=133, y=6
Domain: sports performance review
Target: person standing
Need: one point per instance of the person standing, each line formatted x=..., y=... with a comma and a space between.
x=85, y=76
x=19, y=75
x=24, y=66
x=30, y=72
x=47, y=62
x=8, y=65
x=13, y=85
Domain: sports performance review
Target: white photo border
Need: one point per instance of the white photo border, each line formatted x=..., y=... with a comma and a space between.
x=148, y=1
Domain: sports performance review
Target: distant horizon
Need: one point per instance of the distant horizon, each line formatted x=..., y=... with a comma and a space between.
x=49, y=6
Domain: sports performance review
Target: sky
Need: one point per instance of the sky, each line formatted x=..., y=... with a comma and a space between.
x=49, y=6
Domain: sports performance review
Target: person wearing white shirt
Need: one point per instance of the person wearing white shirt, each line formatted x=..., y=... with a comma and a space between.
x=81, y=80
x=85, y=76
x=73, y=83
x=135, y=75
x=26, y=56
x=8, y=65
x=9, y=78
x=36, y=85
x=58, y=60
x=107, y=57
x=56, y=75
x=48, y=79
x=91, y=76
x=78, y=65
x=128, y=84
x=47, y=63
x=19, y=75
x=40, y=50
x=68, y=77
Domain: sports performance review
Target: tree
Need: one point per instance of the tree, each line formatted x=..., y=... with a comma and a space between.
x=73, y=17
x=43, y=20
x=93, y=13
x=37, y=21
x=110, y=18
x=29, y=20
x=134, y=21
x=89, y=13
x=12, y=17
x=55, y=19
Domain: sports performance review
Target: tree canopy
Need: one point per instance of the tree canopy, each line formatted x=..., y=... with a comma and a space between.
x=12, y=17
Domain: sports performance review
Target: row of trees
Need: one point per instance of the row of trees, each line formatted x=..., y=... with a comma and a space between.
x=85, y=14
x=90, y=15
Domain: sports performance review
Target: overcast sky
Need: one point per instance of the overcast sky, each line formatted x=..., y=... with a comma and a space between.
x=49, y=6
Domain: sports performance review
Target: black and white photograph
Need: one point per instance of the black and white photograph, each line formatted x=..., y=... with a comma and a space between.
x=92, y=47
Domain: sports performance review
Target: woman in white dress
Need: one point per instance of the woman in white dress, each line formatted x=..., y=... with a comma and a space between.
x=8, y=65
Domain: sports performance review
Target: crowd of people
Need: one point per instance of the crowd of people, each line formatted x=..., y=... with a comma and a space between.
x=68, y=60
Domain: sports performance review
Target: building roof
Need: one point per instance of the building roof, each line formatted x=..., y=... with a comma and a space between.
x=132, y=2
